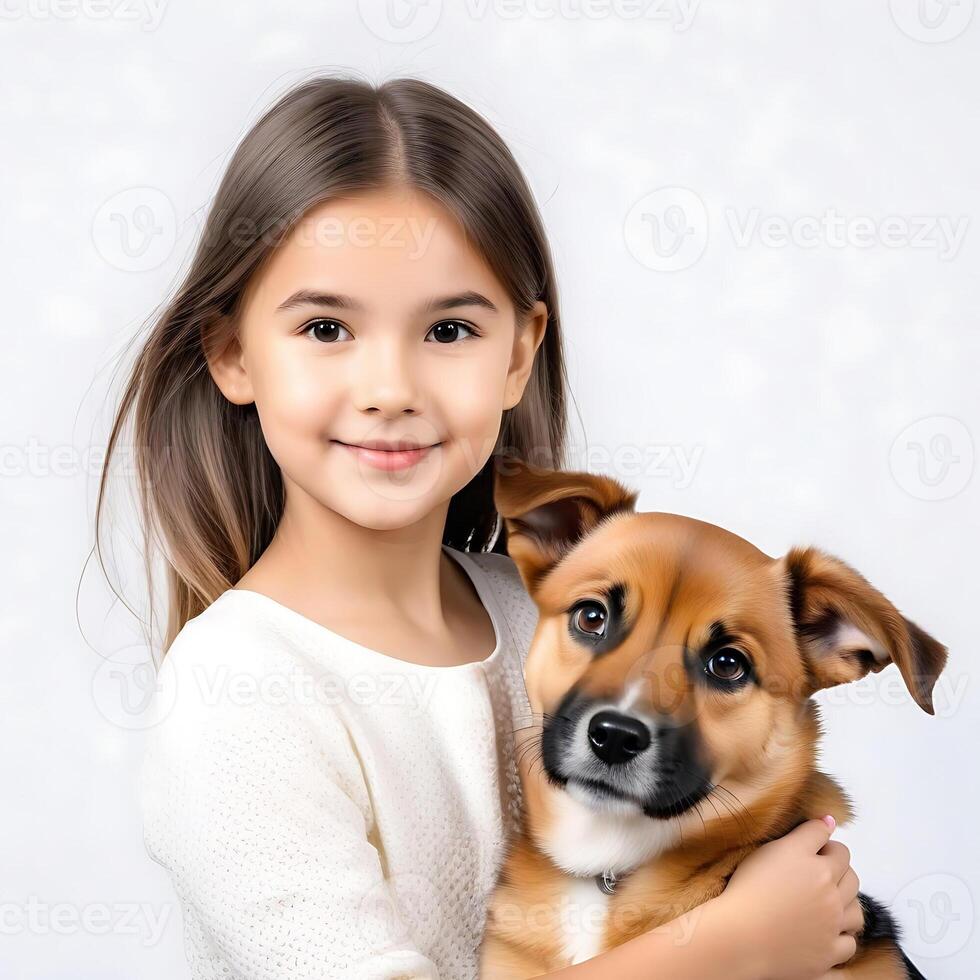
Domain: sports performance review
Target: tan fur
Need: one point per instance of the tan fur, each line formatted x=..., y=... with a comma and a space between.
x=876, y=961
x=682, y=575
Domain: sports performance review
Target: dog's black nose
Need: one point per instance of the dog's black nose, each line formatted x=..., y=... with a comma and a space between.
x=616, y=738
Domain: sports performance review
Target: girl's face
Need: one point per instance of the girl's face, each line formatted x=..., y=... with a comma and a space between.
x=376, y=321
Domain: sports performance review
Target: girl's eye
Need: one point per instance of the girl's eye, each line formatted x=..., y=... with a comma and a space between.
x=728, y=665
x=590, y=618
x=323, y=330
x=447, y=331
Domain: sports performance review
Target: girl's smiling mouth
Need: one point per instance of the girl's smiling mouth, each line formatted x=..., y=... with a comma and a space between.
x=398, y=455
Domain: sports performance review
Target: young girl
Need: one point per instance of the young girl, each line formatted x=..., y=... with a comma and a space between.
x=370, y=316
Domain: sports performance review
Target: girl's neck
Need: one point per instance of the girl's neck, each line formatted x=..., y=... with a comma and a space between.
x=325, y=566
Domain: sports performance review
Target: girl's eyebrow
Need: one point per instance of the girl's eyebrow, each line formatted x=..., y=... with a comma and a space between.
x=309, y=297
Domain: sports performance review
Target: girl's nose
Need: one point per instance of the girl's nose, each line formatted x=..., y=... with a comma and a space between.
x=387, y=379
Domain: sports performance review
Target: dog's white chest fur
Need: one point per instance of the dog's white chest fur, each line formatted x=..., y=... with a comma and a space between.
x=585, y=841
x=583, y=920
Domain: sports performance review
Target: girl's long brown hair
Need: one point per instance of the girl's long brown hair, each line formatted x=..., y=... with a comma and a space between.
x=210, y=495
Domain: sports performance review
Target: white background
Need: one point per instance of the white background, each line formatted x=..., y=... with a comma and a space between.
x=801, y=370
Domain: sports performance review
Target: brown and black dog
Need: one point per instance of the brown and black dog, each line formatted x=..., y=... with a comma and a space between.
x=670, y=680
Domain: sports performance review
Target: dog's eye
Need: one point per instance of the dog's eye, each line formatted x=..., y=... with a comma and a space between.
x=727, y=664
x=590, y=618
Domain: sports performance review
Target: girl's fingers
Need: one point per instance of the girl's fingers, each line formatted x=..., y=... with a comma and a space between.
x=848, y=886
x=839, y=856
x=853, y=920
x=845, y=947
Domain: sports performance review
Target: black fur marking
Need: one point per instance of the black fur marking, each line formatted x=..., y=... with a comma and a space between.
x=819, y=628
x=720, y=636
x=796, y=583
x=878, y=921
x=879, y=925
x=911, y=969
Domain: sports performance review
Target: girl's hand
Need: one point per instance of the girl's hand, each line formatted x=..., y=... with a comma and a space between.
x=796, y=898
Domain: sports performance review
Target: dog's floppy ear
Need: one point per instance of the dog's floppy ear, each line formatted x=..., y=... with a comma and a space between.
x=547, y=511
x=847, y=628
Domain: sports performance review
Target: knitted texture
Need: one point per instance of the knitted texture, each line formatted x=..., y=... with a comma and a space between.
x=324, y=810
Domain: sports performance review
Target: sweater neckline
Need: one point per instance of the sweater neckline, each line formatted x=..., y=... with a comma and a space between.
x=470, y=568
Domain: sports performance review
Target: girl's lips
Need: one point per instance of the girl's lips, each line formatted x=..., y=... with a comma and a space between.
x=384, y=459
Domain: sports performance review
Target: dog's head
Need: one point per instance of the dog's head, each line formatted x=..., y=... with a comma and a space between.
x=673, y=657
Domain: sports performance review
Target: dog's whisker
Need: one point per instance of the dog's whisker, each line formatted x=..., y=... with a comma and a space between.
x=711, y=801
x=734, y=810
x=732, y=806
x=738, y=802
x=531, y=751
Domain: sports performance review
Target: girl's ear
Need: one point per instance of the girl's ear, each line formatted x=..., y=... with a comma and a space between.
x=527, y=339
x=225, y=360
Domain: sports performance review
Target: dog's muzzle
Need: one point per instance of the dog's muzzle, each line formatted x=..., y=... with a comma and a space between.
x=619, y=756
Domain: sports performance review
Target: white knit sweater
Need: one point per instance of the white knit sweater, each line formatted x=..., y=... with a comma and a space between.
x=326, y=811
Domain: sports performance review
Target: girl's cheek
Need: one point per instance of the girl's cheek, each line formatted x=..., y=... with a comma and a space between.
x=296, y=408
x=477, y=422
x=295, y=385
